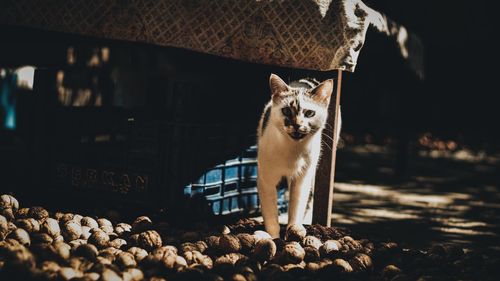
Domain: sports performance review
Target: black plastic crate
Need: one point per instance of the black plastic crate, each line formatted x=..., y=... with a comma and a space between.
x=150, y=145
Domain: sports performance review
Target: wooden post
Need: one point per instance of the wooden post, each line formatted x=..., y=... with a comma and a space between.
x=325, y=174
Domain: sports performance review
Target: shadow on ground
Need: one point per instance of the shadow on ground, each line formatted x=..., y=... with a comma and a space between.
x=444, y=197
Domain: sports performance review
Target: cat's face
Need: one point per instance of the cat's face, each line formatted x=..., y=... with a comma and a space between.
x=300, y=112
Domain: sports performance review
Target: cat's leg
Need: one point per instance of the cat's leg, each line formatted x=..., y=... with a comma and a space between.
x=268, y=196
x=300, y=189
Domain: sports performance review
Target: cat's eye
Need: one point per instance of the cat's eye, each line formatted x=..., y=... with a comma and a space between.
x=286, y=111
x=309, y=113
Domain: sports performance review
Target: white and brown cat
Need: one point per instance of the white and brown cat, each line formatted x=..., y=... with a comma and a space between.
x=289, y=146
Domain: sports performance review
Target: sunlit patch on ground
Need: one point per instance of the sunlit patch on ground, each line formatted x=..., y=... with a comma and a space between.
x=450, y=197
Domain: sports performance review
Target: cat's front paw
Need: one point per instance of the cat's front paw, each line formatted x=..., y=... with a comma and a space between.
x=295, y=232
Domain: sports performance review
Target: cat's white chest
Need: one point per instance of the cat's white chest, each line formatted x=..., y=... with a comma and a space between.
x=284, y=156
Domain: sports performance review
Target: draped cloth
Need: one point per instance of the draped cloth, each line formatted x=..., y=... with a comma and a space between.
x=306, y=34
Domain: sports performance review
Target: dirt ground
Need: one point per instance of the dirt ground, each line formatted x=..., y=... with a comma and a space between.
x=444, y=197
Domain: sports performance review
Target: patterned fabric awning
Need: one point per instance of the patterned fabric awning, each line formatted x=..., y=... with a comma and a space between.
x=309, y=34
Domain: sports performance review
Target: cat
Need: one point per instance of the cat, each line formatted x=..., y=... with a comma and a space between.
x=289, y=146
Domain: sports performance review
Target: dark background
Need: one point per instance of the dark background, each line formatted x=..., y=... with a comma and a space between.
x=459, y=90
x=456, y=100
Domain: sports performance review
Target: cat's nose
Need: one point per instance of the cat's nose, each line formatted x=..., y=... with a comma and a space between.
x=299, y=128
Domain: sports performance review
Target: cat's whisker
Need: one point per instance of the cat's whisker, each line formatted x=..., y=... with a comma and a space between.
x=326, y=144
x=329, y=137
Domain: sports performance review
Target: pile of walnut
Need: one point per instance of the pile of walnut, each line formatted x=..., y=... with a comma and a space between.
x=38, y=245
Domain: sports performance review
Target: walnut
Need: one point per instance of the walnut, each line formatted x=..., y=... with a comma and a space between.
x=77, y=242
x=361, y=262
x=350, y=246
x=229, y=243
x=67, y=273
x=85, y=232
x=8, y=213
x=38, y=213
x=312, y=266
x=50, y=267
x=159, y=254
x=21, y=236
x=213, y=242
x=93, y=276
x=22, y=213
x=149, y=240
x=134, y=239
x=133, y=274
x=260, y=234
x=228, y=259
x=99, y=238
x=60, y=250
x=41, y=239
x=110, y=275
x=139, y=254
x=390, y=271
x=238, y=277
x=4, y=228
x=77, y=218
x=295, y=232
x=311, y=254
x=9, y=201
x=104, y=260
x=247, y=242
x=174, y=262
x=118, y=243
x=51, y=227
x=59, y=238
x=109, y=253
x=191, y=256
x=330, y=248
x=292, y=266
x=107, y=228
x=90, y=222
x=102, y=222
x=71, y=230
x=325, y=262
x=11, y=226
x=9, y=245
x=201, y=245
x=187, y=247
x=342, y=266
x=293, y=253
x=264, y=250
x=141, y=224
x=87, y=251
x=58, y=215
x=206, y=261
x=368, y=248
x=125, y=259
x=3, y=219
x=123, y=229
x=312, y=241
x=30, y=225
x=66, y=218
x=271, y=272
x=247, y=272
x=21, y=256
x=225, y=230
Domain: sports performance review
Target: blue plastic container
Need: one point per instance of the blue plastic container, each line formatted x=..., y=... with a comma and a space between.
x=231, y=187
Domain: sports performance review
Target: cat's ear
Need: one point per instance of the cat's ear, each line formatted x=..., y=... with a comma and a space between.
x=277, y=85
x=323, y=91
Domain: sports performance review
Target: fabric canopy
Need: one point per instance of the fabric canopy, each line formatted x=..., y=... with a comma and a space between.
x=319, y=35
